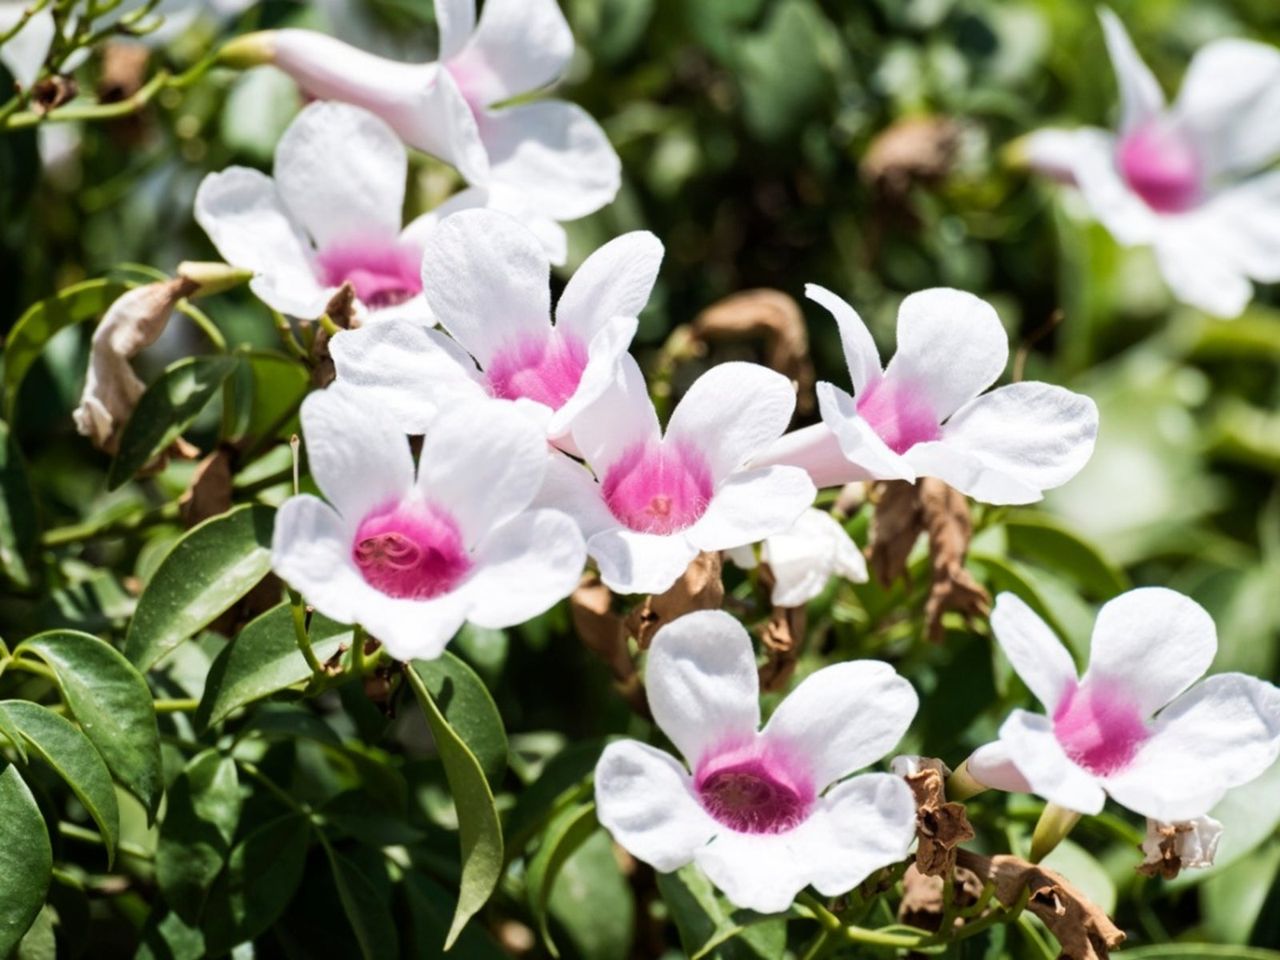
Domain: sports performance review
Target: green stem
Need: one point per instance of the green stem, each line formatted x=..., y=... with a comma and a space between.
x=177, y=706
x=103, y=111
x=357, y=651
x=300, y=632
x=1052, y=827
x=205, y=323
x=118, y=526
x=857, y=934
x=74, y=831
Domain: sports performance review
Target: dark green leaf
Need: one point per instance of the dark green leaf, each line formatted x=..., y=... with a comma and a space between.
x=39, y=942
x=565, y=780
x=466, y=704
x=431, y=908
x=26, y=860
x=165, y=410
x=564, y=836
x=169, y=937
x=209, y=569
x=269, y=388
x=366, y=909
x=197, y=830
x=592, y=902
x=18, y=530
x=13, y=735
x=112, y=703
x=702, y=917
x=1197, y=951
x=1038, y=537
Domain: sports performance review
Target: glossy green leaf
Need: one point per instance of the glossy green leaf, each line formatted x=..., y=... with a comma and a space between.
x=366, y=908
x=565, y=835
x=82, y=301
x=702, y=918
x=200, y=821
x=269, y=387
x=169, y=937
x=209, y=569
x=19, y=533
x=593, y=904
x=479, y=829
x=26, y=860
x=39, y=943
x=466, y=703
x=13, y=735
x=431, y=909
x=58, y=742
x=112, y=703
x=165, y=410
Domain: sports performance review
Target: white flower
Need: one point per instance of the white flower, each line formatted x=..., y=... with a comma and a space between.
x=657, y=500
x=1178, y=178
x=25, y=52
x=1194, y=843
x=488, y=283
x=552, y=152
x=412, y=557
x=923, y=416
x=755, y=809
x=804, y=558
x=1137, y=725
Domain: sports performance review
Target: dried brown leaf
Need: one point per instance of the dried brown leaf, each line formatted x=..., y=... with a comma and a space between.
x=699, y=588
x=912, y=150
x=941, y=825
x=895, y=527
x=210, y=491
x=603, y=632
x=124, y=70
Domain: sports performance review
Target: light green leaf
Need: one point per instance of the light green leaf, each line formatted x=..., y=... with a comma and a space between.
x=209, y=569
x=1045, y=541
x=565, y=835
x=479, y=828
x=18, y=530
x=26, y=860
x=72, y=755
x=13, y=735
x=165, y=410
x=366, y=909
x=268, y=388
x=468, y=707
x=112, y=703
x=39, y=943
x=195, y=836
x=1196, y=951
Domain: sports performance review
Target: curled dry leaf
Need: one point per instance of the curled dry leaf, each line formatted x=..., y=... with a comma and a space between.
x=699, y=588
x=912, y=150
x=341, y=310
x=124, y=70
x=603, y=633
x=210, y=490
x=1170, y=848
x=941, y=825
x=922, y=903
x=52, y=92
x=895, y=527
x=781, y=636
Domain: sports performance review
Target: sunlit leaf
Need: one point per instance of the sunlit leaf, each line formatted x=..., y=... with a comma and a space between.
x=468, y=707
x=565, y=835
x=26, y=859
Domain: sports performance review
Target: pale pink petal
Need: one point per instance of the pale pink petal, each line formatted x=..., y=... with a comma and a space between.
x=1200, y=271
x=1230, y=100
x=992, y=766
x=1037, y=655
x=1053, y=152
x=969, y=473
x=519, y=46
x=804, y=558
x=858, y=442
x=605, y=353
x=615, y=281
x=756, y=871
x=570, y=488
x=1140, y=95
x=311, y=551
x=751, y=505
x=415, y=629
x=1108, y=196
x=455, y=23
x=621, y=418
x=633, y=562
x=860, y=353
x=816, y=451
x=1244, y=221
x=1035, y=751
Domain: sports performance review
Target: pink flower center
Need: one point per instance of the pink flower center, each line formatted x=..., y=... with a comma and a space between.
x=547, y=370
x=411, y=552
x=900, y=415
x=753, y=791
x=1098, y=728
x=383, y=274
x=656, y=488
x=1161, y=166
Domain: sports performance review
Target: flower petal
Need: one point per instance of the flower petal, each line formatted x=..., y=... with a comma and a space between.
x=702, y=683
x=644, y=800
x=455, y=23
x=25, y=52
x=569, y=487
x=1152, y=643
x=969, y=474
x=951, y=347
x=1140, y=95
x=1230, y=98
x=858, y=442
x=752, y=505
x=755, y=871
x=341, y=173
x=632, y=562
x=311, y=551
x=804, y=558
x=844, y=717
x=1223, y=732
x=816, y=451
x=605, y=352
x=519, y=46
x=1244, y=219
x=860, y=353
x=1119, y=209
x=615, y=281
x=1053, y=152
x=622, y=417
x=1035, y=751
x=415, y=629
x=992, y=766
x=1200, y=273
x=1037, y=655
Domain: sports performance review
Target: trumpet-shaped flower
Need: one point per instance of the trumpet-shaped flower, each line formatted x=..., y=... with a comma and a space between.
x=487, y=281
x=24, y=53
x=756, y=809
x=1178, y=177
x=412, y=556
x=804, y=558
x=551, y=151
x=1137, y=726
x=658, y=499
x=922, y=416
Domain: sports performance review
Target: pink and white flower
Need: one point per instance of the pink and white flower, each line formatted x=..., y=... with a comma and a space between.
x=1180, y=178
x=923, y=415
x=804, y=558
x=487, y=281
x=760, y=811
x=24, y=53
x=552, y=152
x=412, y=554
x=1137, y=726
x=657, y=499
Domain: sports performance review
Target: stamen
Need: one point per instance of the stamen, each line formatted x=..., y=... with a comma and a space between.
x=410, y=552
x=656, y=488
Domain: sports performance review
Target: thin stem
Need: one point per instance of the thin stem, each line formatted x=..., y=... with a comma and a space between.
x=329, y=327
x=118, y=526
x=286, y=336
x=30, y=666
x=177, y=706
x=357, y=651
x=1052, y=827
x=74, y=831
x=205, y=323
x=300, y=632
x=105, y=111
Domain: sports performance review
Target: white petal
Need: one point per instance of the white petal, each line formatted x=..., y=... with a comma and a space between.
x=951, y=347
x=731, y=414
x=1230, y=98
x=804, y=558
x=860, y=353
x=555, y=155
x=756, y=871
x=1039, y=757
x=519, y=46
x=1152, y=643
x=1053, y=152
x=844, y=717
x=605, y=353
x=859, y=444
x=643, y=799
x=488, y=281
x=702, y=683
x=524, y=567
x=405, y=372
x=968, y=473
x=311, y=551
x=1140, y=95
x=503, y=199
x=1037, y=655
x=358, y=462
x=622, y=417
x=752, y=505
x=1200, y=272
x=569, y=487
x=1244, y=220
x=25, y=53
x=483, y=463
x=341, y=173
x=1223, y=732
x=1119, y=209
x=632, y=562
x=615, y=281
x=816, y=451
x=992, y=767
x=455, y=22
x=414, y=629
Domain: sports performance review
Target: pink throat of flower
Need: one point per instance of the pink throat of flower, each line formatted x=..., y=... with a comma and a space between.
x=900, y=415
x=1161, y=166
x=1098, y=728
x=383, y=274
x=547, y=370
x=658, y=488
x=751, y=790
x=411, y=552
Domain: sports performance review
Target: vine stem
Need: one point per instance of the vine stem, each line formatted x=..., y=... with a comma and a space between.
x=300, y=632
x=177, y=706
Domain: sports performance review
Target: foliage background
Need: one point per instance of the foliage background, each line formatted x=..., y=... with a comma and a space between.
x=745, y=128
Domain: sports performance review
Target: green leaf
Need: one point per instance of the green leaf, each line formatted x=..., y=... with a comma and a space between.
x=479, y=828
x=1040, y=538
x=430, y=908
x=703, y=918
x=468, y=707
x=14, y=736
x=593, y=903
x=112, y=703
x=39, y=943
x=565, y=835
x=366, y=908
x=269, y=387
x=195, y=835
x=19, y=533
x=1197, y=951
x=264, y=659
x=72, y=755
x=210, y=568
x=26, y=860
x=79, y=302
x=165, y=410
x=565, y=779
x=169, y=937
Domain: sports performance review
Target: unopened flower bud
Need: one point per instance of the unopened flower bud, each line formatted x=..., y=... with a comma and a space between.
x=251, y=50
